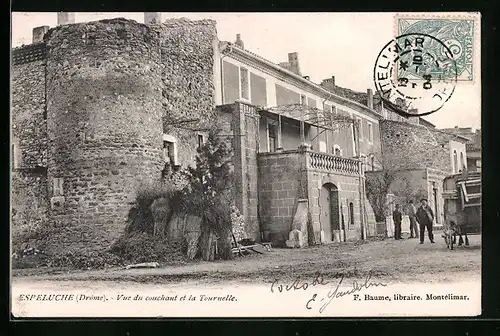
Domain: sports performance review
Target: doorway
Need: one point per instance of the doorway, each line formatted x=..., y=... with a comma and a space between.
x=329, y=211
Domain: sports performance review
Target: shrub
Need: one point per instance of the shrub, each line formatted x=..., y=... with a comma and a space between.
x=141, y=247
x=85, y=260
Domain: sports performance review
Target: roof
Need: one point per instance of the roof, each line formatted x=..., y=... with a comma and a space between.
x=227, y=47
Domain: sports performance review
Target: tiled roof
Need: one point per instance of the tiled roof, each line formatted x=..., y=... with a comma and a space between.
x=360, y=97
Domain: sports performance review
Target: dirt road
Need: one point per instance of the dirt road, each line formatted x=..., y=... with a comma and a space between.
x=404, y=261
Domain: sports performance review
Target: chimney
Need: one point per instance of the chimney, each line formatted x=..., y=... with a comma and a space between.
x=369, y=99
x=39, y=33
x=293, y=59
x=152, y=18
x=239, y=41
x=64, y=18
x=328, y=83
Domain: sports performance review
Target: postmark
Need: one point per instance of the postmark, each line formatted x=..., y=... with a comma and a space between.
x=458, y=33
x=416, y=73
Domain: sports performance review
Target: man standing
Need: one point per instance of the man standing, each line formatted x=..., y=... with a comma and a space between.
x=425, y=218
x=412, y=212
x=397, y=217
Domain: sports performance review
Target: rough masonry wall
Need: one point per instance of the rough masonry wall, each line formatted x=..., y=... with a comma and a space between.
x=348, y=191
x=187, y=61
x=29, y=127
x=29, y=138
x=409, y=146
x=280, y=179
x=28, y=201
x=245, y=126
x=104, y=125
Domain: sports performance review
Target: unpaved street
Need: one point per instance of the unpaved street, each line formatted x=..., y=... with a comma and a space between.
x=404, y=261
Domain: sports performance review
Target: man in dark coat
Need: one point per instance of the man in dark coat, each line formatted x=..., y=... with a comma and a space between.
x=397, y=217
x=425, y=218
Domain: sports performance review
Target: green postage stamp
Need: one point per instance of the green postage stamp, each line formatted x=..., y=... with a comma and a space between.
x=457, y=32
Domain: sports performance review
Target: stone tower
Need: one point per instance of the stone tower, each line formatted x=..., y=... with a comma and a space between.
x=104, y=126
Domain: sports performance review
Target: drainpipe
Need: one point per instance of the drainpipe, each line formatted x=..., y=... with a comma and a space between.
x=361, y=183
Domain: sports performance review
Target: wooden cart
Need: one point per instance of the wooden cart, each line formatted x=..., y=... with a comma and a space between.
x=462, y=207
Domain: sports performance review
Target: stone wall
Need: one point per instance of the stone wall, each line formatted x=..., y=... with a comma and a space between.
x=280, y=182
x=28, y=200
x=348, y=192
x=245, y=140
x=410, y=146
x=187, y=62
x=29, y=137
x=104, y=126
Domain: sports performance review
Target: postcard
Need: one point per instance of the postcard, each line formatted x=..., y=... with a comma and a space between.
x=245, y=165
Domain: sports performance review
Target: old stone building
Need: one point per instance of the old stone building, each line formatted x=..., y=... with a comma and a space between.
x=420, y=157
x=101, y=108
x=472, y=147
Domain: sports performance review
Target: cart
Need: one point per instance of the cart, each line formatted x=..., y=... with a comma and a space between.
x=462, y=207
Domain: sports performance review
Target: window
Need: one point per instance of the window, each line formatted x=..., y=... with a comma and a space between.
x=370, y=132
x=15, y=163
x=303, y=100
x=322, y=146
x=351, y=215
x=15, y=154
x=201, y=141
x=244, y=83
x=272, y=143
x=170, y=150
x=455, y=162
x=360, y=125
x=327, y=108
x=336, y=150
x=57, y=184
x=354, y=140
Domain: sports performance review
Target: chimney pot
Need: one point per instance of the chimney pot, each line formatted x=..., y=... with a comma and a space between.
x=64, y=18
x=293, y=59
x=369, y=98
x=306, y=77
x=152, y=18
x=333, y=80
x=39, y=33
x=239, y=41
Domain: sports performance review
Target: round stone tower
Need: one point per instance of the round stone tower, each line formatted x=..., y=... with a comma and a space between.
x=104, y=126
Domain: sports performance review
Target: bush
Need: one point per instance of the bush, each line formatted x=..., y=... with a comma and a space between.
x=141, y=247
x=85, y=260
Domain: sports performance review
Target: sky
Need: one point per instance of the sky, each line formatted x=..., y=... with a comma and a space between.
x=344, y=45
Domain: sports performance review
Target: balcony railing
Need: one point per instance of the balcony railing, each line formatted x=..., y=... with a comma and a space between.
x=333, y=163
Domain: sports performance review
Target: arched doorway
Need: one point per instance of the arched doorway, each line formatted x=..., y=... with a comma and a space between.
x=329, y=211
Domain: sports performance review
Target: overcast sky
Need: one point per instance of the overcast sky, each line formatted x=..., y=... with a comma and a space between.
x=344, y=45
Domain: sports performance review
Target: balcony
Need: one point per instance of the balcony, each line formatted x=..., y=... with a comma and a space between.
x=332, y=163
x=311, y=161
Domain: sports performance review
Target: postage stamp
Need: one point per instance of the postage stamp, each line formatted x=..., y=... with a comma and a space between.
x=459, y=33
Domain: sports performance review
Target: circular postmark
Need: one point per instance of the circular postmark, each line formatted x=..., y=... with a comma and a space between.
x=415, y=74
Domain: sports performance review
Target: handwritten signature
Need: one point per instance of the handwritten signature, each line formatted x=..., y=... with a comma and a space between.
x=320, y=280
x=297, y=284
x=336, y=293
